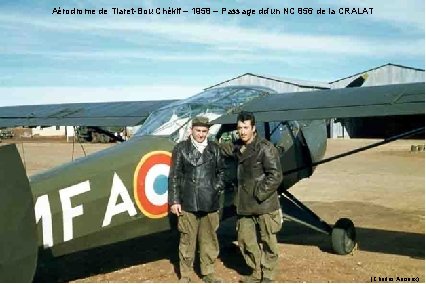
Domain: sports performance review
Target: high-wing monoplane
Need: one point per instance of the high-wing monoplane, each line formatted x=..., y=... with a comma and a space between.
x=121, y=192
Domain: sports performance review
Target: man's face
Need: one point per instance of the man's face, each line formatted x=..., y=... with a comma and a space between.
x=199, y=133
x=246, y=131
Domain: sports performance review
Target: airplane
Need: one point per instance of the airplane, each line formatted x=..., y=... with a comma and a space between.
x=121, y=192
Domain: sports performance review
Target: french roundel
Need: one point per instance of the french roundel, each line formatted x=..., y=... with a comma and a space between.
x=151, y=183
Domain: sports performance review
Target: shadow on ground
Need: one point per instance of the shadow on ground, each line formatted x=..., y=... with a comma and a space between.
x=372, y=240
x=109, y=258
x=164, y=246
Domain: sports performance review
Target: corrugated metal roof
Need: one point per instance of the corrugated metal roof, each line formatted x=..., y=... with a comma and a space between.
x=294, y=82
x=310, y=84
x=375, y=68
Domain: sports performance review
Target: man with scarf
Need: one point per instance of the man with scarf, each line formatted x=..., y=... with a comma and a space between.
x=195, y=184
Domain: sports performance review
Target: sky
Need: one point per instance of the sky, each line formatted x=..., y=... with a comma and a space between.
x=49, y=58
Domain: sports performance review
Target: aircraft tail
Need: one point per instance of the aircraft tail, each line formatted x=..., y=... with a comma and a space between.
x=18, y=232
x=358, y=82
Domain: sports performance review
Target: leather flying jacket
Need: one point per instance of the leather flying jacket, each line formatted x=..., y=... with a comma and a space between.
x=195, y=179
x=259, y=176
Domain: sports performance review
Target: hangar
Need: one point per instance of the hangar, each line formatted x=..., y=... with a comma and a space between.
x=374, y=127
x=380, y=127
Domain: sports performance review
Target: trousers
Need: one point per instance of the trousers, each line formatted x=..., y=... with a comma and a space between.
x=260, y=254
x=196, y=227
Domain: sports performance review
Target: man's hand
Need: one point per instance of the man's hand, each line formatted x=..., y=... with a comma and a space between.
x=176, y=209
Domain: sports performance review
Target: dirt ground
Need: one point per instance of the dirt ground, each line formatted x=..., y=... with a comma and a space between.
x=382, y=190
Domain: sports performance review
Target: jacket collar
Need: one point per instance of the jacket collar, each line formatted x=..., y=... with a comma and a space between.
x=193, y=156
x=250, y=149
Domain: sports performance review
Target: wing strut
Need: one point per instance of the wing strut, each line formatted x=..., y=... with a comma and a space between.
x=385, y=141
x=296, y=211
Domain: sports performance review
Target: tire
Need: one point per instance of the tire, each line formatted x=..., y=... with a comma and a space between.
x=343, y=236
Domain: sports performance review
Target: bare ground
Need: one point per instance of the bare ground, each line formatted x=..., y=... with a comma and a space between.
x=382, y=190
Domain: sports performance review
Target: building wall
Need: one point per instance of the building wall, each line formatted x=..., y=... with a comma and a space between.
x=53, y=131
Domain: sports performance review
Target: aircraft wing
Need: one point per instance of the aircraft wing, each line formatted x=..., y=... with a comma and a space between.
x=395, y=99
x=80, y=114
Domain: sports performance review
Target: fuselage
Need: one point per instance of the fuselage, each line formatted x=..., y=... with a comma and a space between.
x=121, y=192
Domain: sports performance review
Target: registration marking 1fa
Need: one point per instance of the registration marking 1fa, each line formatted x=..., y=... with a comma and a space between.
x=43, y=211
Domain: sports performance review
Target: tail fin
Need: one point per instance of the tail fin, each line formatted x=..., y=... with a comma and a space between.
x=358, y=82
x=18, y=233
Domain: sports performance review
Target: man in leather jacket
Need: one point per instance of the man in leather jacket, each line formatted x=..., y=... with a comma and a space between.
x=259, y=176
x=195, y=184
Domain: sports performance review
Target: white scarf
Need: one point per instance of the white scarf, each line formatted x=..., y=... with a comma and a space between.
x=199, y=146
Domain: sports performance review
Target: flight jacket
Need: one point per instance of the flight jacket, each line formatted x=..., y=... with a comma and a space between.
x=195, y=179
x=259, y=175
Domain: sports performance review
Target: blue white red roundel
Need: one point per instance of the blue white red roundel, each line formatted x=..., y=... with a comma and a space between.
x=151, y=183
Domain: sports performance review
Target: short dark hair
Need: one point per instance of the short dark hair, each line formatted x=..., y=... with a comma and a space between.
x=246, y=115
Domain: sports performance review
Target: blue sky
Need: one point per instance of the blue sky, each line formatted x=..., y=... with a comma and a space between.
x=48, y=58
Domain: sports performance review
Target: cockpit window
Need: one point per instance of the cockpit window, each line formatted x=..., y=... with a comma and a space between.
x=174, y=119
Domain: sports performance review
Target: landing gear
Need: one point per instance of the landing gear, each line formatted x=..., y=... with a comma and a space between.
x=343, y=233
x=343, y=236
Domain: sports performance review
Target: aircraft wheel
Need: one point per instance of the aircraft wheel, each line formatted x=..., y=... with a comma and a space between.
x=343, y=236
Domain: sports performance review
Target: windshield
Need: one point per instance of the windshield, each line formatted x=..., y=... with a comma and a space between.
x=174, y=119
